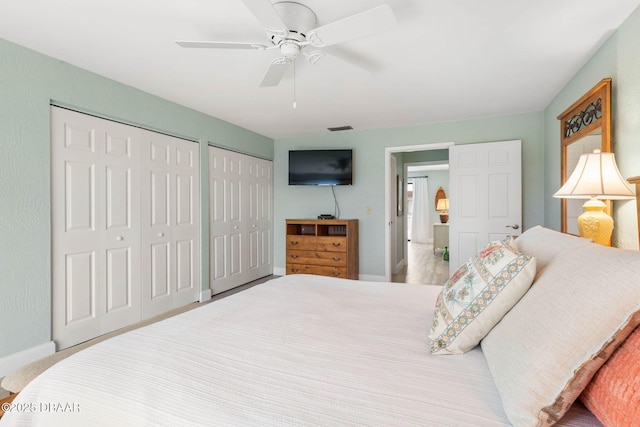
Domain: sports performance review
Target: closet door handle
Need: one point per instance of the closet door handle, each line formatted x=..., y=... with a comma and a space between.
x=160, y=234
x=119, y=238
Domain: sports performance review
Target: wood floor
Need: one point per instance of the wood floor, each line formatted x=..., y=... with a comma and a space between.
x=423, y=266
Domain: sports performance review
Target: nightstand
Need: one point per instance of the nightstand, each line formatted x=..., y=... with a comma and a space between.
x=440, y=236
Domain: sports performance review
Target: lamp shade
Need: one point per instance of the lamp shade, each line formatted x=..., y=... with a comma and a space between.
x=596, y=176
x=443, y=205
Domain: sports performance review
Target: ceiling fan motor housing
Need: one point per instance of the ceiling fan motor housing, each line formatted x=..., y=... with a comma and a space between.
x=289, y=50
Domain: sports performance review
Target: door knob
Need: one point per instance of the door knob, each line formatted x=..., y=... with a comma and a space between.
x=119, y=238
x=160, y=234
x=514, y=226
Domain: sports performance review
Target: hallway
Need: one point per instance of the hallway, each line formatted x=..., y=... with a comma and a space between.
x=423, y=266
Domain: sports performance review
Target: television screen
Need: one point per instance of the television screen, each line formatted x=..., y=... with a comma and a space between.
x=320, y=167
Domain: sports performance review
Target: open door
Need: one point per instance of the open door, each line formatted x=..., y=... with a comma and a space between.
x=485, y=186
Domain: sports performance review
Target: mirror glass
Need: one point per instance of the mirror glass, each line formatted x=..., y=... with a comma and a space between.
x=574, y=151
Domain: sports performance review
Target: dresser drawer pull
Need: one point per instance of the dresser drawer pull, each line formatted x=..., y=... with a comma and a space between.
x=294, y=270
x=335, y=274
x=336, y=244
x=295, y=256
x=294, y=243
x=336, y=259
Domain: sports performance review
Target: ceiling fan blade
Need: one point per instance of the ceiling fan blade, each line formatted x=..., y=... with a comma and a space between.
x=275, y=72
x=266, y=14
x=362, y=24
x=220, y=45
x=328, y=62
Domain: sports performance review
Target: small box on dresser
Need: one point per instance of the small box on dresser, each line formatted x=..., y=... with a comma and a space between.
x=326, y=247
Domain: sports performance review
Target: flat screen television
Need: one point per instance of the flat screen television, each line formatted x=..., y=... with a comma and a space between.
x=320, y=167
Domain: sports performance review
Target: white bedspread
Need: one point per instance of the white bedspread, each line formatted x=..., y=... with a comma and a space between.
x=298, y=350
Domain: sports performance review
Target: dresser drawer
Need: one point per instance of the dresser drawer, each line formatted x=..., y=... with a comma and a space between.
x=321, y=270
x=337, y=259
x=317, y=243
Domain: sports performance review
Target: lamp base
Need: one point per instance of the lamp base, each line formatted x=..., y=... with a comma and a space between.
x=594, y=223
x=444, y=217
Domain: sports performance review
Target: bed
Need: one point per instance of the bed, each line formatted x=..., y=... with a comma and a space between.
x=298, y=350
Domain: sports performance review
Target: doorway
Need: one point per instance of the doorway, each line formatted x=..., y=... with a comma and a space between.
x=398, y=224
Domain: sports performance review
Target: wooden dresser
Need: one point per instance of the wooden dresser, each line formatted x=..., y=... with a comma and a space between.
x=324, y=247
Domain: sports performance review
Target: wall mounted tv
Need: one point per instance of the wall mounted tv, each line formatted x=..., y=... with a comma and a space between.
x=320, y=167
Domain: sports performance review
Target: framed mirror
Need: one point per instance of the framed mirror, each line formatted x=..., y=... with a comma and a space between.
x=584, y=126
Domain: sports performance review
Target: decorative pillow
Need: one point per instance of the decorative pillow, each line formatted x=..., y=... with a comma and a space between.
x=546, y=349
x=476, y=297
x=613, y=395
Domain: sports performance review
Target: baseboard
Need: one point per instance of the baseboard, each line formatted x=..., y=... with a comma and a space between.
x=13, y=362
x=205, y=295
x=279, y=271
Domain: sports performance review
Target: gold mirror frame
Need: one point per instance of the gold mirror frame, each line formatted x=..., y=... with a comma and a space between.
x=588, y=115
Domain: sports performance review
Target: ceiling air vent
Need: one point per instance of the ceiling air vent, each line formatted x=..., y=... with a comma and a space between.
x=340, y=128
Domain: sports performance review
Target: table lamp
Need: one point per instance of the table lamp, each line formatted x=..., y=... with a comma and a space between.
x=596, y=177
x=443, y=207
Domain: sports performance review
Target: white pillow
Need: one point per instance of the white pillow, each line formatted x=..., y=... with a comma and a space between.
x=478, y=295
x=545, y=244
x=545, y=351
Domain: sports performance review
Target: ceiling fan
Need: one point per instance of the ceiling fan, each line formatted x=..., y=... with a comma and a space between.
x=292, y=27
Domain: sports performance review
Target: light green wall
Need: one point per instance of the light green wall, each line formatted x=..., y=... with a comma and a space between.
x=619, y=58
x=28, y=82
x=368, y=187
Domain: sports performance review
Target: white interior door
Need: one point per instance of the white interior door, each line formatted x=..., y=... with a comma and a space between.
x=226, y=212
x=170, y=197
x=95, y=226
x=485, y=196
x=393, y=218
x=125, y=225
x=241, y=192
x=260, y=221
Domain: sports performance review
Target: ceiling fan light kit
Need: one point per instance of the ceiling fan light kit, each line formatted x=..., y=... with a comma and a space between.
x=292, y=26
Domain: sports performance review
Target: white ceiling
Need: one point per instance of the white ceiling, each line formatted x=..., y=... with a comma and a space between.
x=445, y=60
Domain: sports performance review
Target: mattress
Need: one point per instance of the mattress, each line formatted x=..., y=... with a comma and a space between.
x=299, y=350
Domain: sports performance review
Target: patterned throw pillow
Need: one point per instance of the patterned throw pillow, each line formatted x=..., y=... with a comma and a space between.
x=478, y=295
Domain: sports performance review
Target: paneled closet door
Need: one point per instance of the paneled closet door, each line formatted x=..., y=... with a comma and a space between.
x=260, y=221
x=226, y=214
x=170, y=195
x=240, y=216
x=95, y=226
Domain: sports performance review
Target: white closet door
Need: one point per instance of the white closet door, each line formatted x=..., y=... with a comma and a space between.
x=260, y=222
x=240, y=195
x=227, y=212
x=95, y=226
x=170, y=198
